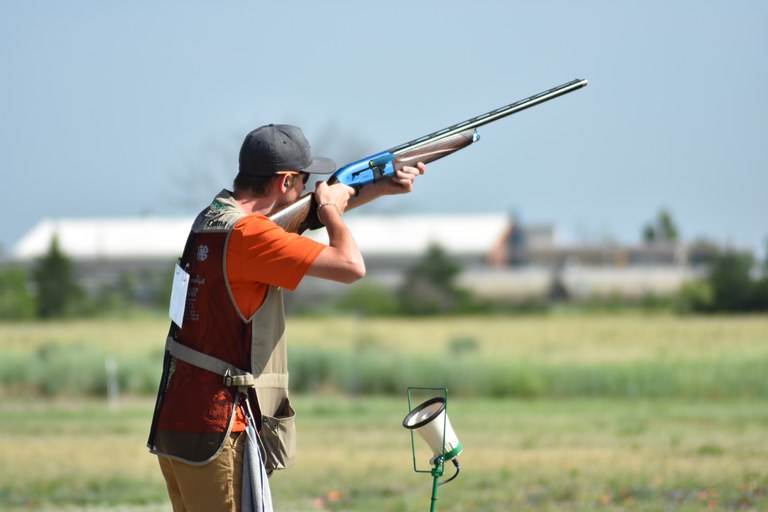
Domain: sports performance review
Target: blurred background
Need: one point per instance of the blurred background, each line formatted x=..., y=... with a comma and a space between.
x=139, y=109
x=592, y=275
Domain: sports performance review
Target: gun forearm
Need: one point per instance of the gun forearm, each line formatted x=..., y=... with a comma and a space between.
x=436, y=150
x=401, y=182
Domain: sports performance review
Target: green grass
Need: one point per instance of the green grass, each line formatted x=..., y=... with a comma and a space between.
x=544, y=338
x=631, y=355
x=540, y=455
x=625, y=413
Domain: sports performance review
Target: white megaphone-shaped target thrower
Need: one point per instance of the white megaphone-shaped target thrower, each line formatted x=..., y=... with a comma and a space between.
x=431, y=422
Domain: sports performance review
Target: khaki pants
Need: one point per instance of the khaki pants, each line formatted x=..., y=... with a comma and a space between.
x=213, y=487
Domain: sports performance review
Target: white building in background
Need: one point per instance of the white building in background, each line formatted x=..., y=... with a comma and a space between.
x=381, y=236
x=94, y=239
x=500, y=260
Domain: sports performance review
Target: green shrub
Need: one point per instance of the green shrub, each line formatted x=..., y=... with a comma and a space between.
x=696, y=296
x=463, y=345
x=76, y=370
x=16, y=301
x=79, y=370
x=368, y=299
x=140, y=374
x=69, y=370
x=729, y=286
x=377, y=371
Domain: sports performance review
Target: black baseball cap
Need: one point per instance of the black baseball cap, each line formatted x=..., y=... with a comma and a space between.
x=273, y=148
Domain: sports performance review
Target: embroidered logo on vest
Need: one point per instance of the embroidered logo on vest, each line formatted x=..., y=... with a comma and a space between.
x=216, y=224
x=202, y=253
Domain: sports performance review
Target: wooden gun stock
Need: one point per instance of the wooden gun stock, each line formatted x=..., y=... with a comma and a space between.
x=298, y=216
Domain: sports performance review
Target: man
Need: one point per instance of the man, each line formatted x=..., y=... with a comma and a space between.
x=225, y=375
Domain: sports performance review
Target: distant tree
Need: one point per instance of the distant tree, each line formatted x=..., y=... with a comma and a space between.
x=430, y=285
x=369, y=299
x=765, y=258
x=703, y=251
x=16, y=300
x=160, y=286
x=119, y=295
x=731, y=283
x=667, y=227
x=649, y=233
x=761, y=287
x=58, y=294
x=730, y=286
x=662, y=229
x=760, y=294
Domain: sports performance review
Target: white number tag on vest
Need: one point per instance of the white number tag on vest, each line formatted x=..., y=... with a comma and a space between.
x=178, y=295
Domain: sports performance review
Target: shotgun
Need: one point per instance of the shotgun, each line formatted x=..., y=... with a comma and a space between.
x=301, y=214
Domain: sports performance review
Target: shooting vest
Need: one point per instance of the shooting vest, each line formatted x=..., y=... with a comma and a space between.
x=219, y=359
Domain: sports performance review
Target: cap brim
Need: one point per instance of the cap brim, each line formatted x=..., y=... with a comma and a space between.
x=320, y=165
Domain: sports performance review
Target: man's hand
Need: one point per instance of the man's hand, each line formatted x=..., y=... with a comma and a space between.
x=402, y=181
x=399, y=183
x=337, y=194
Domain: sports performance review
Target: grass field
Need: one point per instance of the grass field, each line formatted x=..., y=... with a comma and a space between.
x=545, y=454
x=550, y=338
x=354, y=455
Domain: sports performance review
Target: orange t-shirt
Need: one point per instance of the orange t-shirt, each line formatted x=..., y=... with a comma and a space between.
x=260, y=254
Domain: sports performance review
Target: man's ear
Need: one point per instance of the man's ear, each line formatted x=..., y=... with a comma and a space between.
x=281, y=183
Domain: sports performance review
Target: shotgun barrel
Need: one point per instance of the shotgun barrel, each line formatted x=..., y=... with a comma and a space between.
x=300, y=215
x=493, y=115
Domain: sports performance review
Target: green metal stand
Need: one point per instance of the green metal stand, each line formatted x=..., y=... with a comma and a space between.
x=439, y=462
x=437, y=472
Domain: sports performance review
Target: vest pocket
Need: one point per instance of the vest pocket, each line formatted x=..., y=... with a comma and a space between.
x=278, y=435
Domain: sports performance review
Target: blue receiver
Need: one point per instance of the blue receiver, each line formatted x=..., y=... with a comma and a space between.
x=367, y=170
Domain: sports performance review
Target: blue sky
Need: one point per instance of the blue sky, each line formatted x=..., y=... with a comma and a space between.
x=135, y=108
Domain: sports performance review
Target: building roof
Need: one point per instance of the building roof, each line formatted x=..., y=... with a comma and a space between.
x=156, y=237
x=100, y=238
